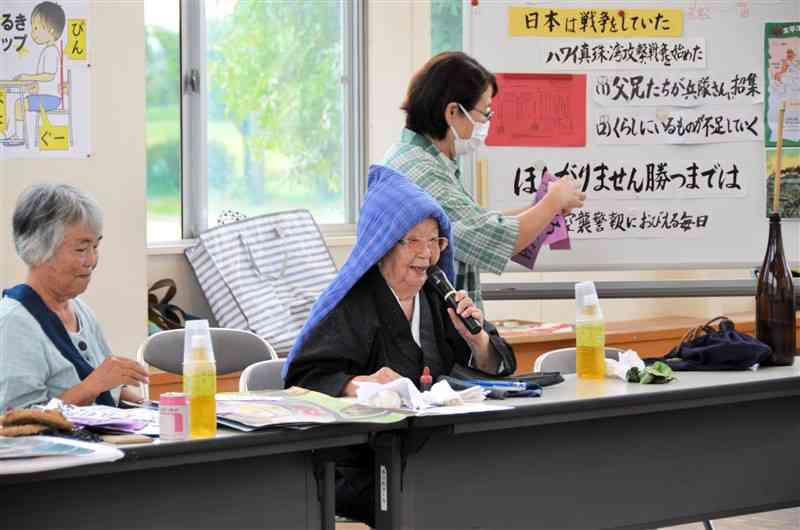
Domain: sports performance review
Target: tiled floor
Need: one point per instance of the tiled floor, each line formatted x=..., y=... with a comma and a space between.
x=778, y=520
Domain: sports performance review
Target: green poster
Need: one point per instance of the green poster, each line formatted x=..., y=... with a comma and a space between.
x=782, y=75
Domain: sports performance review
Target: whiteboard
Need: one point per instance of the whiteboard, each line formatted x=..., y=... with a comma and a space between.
x=735, y=228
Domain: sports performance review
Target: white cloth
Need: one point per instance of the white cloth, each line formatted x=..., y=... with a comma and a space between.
x=440, y=395
x=627, y=360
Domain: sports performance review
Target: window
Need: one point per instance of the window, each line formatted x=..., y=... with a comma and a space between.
x=269, y=118
x=163, y=120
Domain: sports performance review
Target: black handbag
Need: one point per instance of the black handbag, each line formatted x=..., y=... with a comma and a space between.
x=163, y=313
x=722, y=348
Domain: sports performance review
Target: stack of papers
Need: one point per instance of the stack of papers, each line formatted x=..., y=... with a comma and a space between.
x=30, y=454
x=110, y=419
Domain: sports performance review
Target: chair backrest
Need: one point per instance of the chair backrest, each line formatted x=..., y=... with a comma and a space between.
x=563, y=360
x=66, y=96
x=67, y=105
x=234, y=350
x=265, y=375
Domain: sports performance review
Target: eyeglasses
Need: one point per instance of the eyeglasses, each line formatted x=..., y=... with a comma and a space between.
x=487, y=114
x=418, y=246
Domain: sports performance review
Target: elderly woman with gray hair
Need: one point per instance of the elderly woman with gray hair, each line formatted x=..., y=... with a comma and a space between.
x=51, y=344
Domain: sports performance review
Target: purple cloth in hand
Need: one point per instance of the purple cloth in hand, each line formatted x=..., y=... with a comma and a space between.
x=555, y=235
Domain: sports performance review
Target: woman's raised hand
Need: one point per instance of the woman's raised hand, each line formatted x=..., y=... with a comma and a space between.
x=467, y=308
x=566, y=193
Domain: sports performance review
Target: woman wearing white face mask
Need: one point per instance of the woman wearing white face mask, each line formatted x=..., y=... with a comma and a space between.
x=448, y=114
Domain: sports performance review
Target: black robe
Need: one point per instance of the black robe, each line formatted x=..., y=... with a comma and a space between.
x=368, y=330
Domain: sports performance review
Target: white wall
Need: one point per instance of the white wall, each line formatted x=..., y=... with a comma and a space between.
x=399, y=43
x=114, y=175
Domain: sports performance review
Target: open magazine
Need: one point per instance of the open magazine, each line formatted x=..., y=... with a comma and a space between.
x=296, y=408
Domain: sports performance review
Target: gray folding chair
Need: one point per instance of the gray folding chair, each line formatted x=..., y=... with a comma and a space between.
x=264, y=375
x=234, y=350
x=563, y=360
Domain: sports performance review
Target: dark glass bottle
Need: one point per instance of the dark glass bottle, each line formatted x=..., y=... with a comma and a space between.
x=775, y=306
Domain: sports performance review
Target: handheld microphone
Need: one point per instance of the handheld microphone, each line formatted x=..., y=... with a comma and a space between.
x=445, y=288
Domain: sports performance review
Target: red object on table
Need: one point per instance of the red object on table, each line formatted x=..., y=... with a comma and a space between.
x=425, y=380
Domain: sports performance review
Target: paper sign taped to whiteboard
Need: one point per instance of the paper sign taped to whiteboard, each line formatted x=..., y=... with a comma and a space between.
x=662, y=125
x=539, y=110
x=631, y=178
x=552, y=21
x=662, y=54
x=672, y=88
x=638, y=222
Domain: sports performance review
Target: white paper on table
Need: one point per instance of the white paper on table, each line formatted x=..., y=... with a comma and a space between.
x=467, y=408
x=437, y=397
x=61, y=453
x=627, y=360
x=442, y=395
x=409, y=394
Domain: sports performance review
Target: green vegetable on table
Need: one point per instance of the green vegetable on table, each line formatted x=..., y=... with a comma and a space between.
x=655, y=374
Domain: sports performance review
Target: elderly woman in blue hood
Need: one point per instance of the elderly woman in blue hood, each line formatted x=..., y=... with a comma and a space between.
x=381, y=319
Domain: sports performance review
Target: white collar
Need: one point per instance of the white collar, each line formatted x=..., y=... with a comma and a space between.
x=414, y=315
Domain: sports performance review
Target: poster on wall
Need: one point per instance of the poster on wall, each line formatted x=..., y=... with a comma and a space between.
x=790, y=182
x=782, y=74
x=44, y=79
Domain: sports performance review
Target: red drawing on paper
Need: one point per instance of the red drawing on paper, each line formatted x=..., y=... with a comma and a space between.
x=532, y=110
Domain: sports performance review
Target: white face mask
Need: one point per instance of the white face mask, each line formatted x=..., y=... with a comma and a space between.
x=479, y=133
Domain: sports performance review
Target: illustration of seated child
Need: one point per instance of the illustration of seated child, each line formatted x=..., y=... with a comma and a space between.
x=47, y=25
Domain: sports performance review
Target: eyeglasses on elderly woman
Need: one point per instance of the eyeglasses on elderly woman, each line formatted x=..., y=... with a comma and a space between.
x=418, y=246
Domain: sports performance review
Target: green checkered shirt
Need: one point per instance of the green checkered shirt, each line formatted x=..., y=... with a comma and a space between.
x=484, y=240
